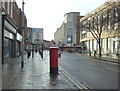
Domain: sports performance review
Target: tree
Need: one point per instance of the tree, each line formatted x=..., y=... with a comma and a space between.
x=101, y=21
x=104, y=20
x=96, y=25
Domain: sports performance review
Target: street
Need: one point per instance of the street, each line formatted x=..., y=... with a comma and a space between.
x=60, y=44
x=91, y=72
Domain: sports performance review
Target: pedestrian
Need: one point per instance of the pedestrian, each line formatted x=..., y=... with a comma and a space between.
x=35, y=50
x=94, y=53
x=32, y=52
x=41, y=53
x=29, y=53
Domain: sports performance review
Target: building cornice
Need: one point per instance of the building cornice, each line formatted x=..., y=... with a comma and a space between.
x=71, y=13
x=98, y=10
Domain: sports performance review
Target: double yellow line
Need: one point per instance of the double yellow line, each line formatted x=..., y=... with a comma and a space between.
x=78, y=84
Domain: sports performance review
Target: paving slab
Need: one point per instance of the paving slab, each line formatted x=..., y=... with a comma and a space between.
x=34, y=75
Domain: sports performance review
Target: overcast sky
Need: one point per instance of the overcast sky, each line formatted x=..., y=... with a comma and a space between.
x=49, y=14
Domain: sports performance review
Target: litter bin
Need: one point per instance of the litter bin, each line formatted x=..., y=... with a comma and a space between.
x=53, y=60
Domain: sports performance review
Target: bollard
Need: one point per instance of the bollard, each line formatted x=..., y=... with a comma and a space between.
x=53, y=60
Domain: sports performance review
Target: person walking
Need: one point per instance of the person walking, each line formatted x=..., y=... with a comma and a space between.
x=29, y=53
x=32, y=52
x=41, y=53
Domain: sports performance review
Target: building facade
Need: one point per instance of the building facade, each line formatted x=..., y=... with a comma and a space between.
x=11, y=31
x=37, y=35
x=59, y=34
x=46, y=44
x=28, y=40
x=68, y=35
x=101, y=28
x=0, y=46
x=34, y=38
x=70, y=29
x=78, y=30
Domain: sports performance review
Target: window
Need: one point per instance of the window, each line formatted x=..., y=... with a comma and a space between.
x=111, y=18
x=8, y=5
x=107, y=43
x=85, y=25
x=84, y=35
x=10, y=11
x=105, y=20
x=92, y=23
x=114, y=47
x=89, y=44
x=113, y=44
x=69, y=38
x=96, y=22
x=118, y=48
x=6, y=47
x=92, y=44
x=101, y=43
x=3, y=4
x=117, y=18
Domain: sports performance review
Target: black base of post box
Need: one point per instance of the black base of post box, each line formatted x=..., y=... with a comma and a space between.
x=53, y=70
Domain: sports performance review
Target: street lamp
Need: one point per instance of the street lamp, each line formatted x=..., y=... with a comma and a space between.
x=0, y=33
x=0, y=47
x=22, y=56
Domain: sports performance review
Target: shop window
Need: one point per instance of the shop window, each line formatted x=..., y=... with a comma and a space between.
x=107, y=43
x=6, y=47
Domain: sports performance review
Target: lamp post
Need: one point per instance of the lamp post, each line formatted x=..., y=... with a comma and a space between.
x=0, y=47
x=0, y=34
x=22, y=56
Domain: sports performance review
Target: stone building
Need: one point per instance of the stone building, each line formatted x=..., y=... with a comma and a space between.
x=70, y=29
x=59, y=34
x=101, y=28
x=68, y=35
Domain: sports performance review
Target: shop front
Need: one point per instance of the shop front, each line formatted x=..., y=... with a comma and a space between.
x=9, y=30
x=18, y=45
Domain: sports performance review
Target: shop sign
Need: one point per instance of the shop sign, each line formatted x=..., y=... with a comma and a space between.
x=10, y=27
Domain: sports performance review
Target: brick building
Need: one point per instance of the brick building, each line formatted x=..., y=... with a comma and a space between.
x=11, y=29
x=0, y=47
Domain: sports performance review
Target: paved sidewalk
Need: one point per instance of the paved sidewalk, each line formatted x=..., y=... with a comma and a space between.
x=0, y=75
x=106, y=59
x=34, y=75
x=102, y=58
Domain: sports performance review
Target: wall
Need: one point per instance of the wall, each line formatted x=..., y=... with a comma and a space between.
x=110, y=29
x=71, y=29
x=15, y=12
x=59, y=34
x=37, y=33
x=0, y=47
x=78, y=29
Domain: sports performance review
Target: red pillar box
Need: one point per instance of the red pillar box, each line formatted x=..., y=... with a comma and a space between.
x=53, y=60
